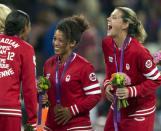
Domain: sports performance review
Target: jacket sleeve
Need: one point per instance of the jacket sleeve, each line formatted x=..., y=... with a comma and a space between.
x=152, y=76
x=29, y=84
x=106, y=81
x=91, y=89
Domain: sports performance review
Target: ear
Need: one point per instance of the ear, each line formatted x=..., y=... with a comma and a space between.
x=125, y=25
x=24, y=33
x=73, y=44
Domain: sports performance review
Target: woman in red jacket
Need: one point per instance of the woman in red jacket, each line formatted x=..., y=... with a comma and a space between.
x=75, y=89
x=17, y=67
x=124, y=52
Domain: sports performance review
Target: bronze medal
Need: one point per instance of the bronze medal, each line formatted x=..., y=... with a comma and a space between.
x=56, y=107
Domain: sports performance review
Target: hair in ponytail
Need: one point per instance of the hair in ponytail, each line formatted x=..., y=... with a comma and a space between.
x=135, y=28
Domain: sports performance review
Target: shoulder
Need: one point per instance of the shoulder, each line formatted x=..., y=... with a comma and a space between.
x=81, y=61
x=107, y=46
x=16, y=43
x=107, y=42
x=139, y=47
x=139, y=50
x=51, y=61
x=24, y=44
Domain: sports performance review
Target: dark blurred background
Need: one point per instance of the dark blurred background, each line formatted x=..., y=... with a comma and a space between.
x=45, y=14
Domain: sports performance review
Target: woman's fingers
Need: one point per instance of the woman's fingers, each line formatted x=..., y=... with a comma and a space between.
x=122, y=93
x=108, y=93
x=44, y=98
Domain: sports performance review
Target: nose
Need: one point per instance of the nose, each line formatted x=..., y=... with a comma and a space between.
x=108, y=18
x=55, y=42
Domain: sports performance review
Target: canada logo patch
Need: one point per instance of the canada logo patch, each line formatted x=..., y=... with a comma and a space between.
x=148, y=64
x=127, y=67
x=47, y=76
x=92, y=77
x=110, y=59
x=67, y=79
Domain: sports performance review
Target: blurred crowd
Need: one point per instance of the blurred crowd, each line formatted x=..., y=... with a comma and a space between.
x=46, y=13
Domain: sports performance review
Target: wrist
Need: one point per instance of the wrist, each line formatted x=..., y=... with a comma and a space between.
x=106, y=83
x=132, y=91
x=73, y=110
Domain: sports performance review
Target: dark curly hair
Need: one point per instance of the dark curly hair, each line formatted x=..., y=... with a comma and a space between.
x=73, y=27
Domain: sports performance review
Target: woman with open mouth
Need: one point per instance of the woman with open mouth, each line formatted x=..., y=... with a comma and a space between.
x=123, y=52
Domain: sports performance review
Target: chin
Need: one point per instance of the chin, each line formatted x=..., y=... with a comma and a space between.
x=108, y=34
x=57, y=53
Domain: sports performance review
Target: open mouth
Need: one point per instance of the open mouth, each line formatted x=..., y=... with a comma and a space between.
x=109, y=27
x=56, y=49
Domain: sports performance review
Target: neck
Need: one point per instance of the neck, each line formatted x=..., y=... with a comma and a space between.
x=119, y=40
x=64, y=57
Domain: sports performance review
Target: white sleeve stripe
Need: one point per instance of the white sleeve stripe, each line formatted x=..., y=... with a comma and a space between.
x=91, y=87
x=131, y=91
x=33, y=124
x=80, y=128
x=76, y=108
x=93, y=92
x=154, y=77
x=106, y=82
x=5, y=109
x=74, y=56
x=151, y=73
x=134, y=88
x=73, y=110
x=144, y=113
x=11, y=113
x=146, y=109
x=47, y=127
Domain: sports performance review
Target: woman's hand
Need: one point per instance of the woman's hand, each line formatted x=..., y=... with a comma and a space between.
x=44, y=98
x=108, y=93
x=122, y=93
x=63, y=115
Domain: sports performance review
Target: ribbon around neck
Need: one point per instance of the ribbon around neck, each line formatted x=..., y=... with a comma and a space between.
x=57, y=82
x=117, y=116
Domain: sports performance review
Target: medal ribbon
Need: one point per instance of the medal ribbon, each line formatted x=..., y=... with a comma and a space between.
x=116, y=111
x=40, y=108
x=59, y=84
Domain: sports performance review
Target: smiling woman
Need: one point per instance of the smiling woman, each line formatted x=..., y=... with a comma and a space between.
x=75, y=89
x=60, y=43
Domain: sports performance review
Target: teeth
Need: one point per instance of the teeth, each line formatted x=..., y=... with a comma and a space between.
x=109, y=27
x=57, y=48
